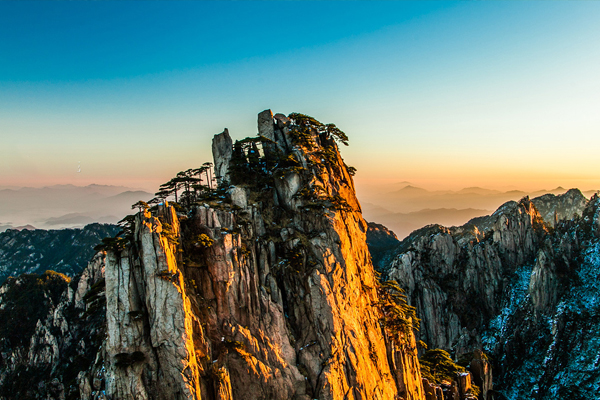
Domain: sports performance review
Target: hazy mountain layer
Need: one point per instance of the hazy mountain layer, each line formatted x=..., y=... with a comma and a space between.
x=410, y=199
x=66, y=206
x=404, y=223
x=410, y=208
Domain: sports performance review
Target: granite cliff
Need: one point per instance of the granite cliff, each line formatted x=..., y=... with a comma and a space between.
x=519, y=285
x=260, y=287
x=264, y=289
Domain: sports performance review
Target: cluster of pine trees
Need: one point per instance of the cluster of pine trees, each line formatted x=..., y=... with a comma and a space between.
x=188, y=186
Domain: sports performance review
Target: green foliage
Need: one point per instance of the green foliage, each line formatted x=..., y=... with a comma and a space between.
x=95, y=299
x=56, y=275
x=437, y=366
x=127, y=225
x=122, y=239
x=140, y=205
x=112, y=243
x=203, y=240
x=295, y=258
x=315, y=197
x=337, y=134
x=95, y=291
x=187, y=187
x=250, y=166
x=399, y=318
x=465, y=359
x=233, y=345
x=288, y=164
x=303, y=128
x=28, y=299
x=329, y=155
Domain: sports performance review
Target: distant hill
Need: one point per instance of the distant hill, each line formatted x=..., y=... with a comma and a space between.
x=411, y=199
x=478, y=190
x=66, y=206
x=381, y=242
x=64, y=250
x=409, y=208
x=404, y=223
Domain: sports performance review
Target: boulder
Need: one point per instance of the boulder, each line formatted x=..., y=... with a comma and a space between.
x=222, y=148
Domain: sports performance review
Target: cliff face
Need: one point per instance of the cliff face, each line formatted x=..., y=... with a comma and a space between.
x=455, y=276
x=51, y=334
x=502, y=284
x=263, y=290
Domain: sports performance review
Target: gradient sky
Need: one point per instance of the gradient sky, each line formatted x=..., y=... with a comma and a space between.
x=441, y=94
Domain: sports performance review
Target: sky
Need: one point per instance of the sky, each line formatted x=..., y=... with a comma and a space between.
x=445, y=95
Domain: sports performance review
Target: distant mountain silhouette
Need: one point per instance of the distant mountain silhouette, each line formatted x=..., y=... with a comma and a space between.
x=409, y=208
x=404, y=223
x=478, y=190
x=69, y=219
x=66, y=206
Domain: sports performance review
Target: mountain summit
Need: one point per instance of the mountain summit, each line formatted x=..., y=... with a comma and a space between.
x=259, y=288
x=262, y=289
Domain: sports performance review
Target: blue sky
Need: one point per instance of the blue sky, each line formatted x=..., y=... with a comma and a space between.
x=442, y=94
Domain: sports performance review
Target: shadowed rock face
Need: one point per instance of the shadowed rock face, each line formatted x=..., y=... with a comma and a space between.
x=51, y=334
x=278, y=300
x=222, y=149
x=516, y=284
x=382, y=242
x=554, y=208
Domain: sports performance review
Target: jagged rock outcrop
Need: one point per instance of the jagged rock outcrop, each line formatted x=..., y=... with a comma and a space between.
x=454, y=277
x=263, y=290
x=503, y=284
x=222, y=147
x=481, y=370
x=554, y=208
x=51, y=334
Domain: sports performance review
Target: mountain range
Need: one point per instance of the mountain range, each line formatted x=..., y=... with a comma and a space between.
x=66, y=251
x=66, y=206
x=410, y=207
x=265, y=288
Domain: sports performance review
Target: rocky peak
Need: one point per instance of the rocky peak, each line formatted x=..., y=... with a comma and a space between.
x=494, y=283
x=262, y=289
x=554, y=208
x=455, y=277
x=222, y=149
